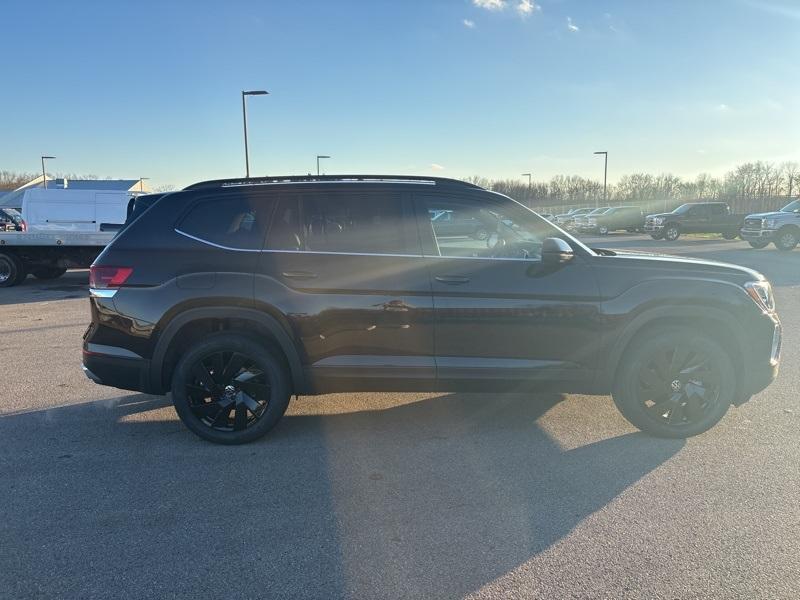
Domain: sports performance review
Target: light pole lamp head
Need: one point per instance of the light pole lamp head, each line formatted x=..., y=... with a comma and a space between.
x=255, y=93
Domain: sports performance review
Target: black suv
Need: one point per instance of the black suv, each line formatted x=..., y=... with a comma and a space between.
x=236, y=294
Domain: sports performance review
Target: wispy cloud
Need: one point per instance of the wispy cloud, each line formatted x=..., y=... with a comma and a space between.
x=723, y=108
x=525, y=8
x=571, y=26
x=490, y=4
x=468, y=24
x=436, y=167
x=781, y=9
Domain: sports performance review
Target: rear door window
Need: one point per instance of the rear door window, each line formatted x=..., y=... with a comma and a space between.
x=235, y=222
x=348, y=223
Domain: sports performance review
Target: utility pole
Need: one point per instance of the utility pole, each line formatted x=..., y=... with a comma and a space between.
x=605, y=179
x=528, y=175
x=244, y=118
x=318, y=157
x=44, y=175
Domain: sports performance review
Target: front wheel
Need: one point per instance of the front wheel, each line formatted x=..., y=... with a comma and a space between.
x=729, y=236
x=787, y=239
x=758, y=245
x=602, y=230
x=675, y=383
x=671, y=233
x=229, y=389
x=48, y=272
x=481, y=234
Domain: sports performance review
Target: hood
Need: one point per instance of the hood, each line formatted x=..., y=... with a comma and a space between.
x=657, y=215
x=766, y=215
x=687, y=266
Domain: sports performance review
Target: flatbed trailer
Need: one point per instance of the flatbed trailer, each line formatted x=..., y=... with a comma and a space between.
x=47, y=254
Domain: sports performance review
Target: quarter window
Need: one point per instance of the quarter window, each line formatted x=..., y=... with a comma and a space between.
x=234, y=222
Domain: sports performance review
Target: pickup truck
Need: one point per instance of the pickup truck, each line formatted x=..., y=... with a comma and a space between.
x=782, y=228
x=61, y=229
x=694, y=217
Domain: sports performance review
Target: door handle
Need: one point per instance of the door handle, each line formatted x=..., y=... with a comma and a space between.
x=299, y=274
x=452, y=279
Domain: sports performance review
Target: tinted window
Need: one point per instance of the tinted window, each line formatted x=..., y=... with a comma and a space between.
x=717, y=209
x=373, y=223
x=235, y=222
x=476, y=228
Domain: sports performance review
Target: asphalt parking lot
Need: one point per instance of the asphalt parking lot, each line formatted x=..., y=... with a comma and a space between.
x=106, y=495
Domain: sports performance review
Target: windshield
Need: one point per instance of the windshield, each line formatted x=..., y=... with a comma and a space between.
x=682, y=209
x=792, y=207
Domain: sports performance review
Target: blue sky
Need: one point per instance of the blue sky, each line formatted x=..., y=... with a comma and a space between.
x=450, y=87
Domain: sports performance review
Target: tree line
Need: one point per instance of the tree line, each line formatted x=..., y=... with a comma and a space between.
x=750, y=187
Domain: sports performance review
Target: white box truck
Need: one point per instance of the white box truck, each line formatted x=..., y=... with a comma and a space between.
x=61, y=229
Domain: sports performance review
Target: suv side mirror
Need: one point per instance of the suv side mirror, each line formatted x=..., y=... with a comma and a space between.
x=556, y=251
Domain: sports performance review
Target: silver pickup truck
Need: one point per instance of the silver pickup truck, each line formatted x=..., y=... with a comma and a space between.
x=782, y=228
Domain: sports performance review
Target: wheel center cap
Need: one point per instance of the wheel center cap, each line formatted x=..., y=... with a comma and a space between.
x=676, y=385
x=230, y=392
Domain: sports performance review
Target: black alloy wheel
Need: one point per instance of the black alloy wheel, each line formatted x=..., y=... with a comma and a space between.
x=229, y=389
x=675, y=384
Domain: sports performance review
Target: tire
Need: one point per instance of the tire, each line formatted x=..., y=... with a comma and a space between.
x=729, y=236
x=48, y=272
x=480, y=234
x=12, y=270
x=688, y=399
x=602, y=230
x=787, y=239
x=672, y=232
x=758, y=245
x=657, y=236
x=230, y=374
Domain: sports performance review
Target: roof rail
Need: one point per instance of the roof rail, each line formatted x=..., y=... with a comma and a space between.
x=290, y=179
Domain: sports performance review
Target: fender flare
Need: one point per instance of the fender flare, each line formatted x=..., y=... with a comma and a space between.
x=280, y=335
x=705, y=314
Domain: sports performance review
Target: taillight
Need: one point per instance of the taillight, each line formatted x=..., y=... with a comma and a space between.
x=108, y=277
x=23, y=226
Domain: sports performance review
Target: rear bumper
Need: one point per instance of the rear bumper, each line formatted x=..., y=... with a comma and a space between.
x=119, y=371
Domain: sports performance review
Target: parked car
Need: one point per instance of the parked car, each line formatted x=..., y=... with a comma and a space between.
x=782, y=228
x=580, y=220
x=566, y=219
x=627, y=218
x=452, y=223
x=234, y=295
x=10, y=219
x=695, y=217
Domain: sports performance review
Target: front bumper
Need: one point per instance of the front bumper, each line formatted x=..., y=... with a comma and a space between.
x=652, y=227
x=762, y=362
x=757, y=234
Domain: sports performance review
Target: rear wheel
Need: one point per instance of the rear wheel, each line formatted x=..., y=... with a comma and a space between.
x=48, y=272
x=787, y=239
x=657, y=236
x=729, y=236
x=758, y=245
x=229, y=389
x=675, y=383
x=602, y=230
x=481, y=234
x=12, y=270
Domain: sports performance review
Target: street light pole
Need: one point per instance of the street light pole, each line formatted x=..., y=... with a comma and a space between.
x=528, y=175
x=244, y=119
x=318, y=157
x=44, y=175
x=605, y=179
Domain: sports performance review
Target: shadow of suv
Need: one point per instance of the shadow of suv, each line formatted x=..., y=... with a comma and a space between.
x=235, y=294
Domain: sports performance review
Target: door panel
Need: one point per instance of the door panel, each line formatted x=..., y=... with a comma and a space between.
x=508, y=319
x=363, y=320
